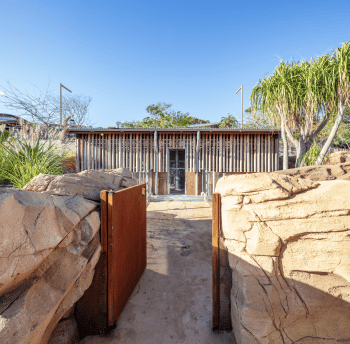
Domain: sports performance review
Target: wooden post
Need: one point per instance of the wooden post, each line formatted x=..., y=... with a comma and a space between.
x=269, y=152
x=248, y=153
x=254, y=153
x=197, y=161
x=245, y=153
x=258, y=152
x=220, y=153
x=277, y=152
x=156, y=161
x=266, y=147
x=167, y=157
x=130, y=151
x=191, y=152
x=77, y=153
x=88, y=151
x=109, y=140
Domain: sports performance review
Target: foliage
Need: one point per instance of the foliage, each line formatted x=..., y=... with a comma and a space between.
x=21, y=162
x=228, y=122
x=161, y=116
x=310, y=157
x=255, y=119
x=5, y=135
x=42, y=106
x=305, y=96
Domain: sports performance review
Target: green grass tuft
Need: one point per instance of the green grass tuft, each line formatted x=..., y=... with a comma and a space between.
x=20, y=162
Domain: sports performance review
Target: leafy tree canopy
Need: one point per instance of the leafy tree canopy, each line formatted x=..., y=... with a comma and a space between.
x=161, y=116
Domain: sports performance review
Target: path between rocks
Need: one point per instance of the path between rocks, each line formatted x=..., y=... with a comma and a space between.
x=172, y=303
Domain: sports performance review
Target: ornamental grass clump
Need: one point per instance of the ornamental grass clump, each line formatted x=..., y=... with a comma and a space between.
x=21, y=162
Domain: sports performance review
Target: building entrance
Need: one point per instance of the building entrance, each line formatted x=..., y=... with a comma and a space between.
x=177, y=171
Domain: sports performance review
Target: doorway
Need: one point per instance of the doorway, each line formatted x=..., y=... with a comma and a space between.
x=177, y=172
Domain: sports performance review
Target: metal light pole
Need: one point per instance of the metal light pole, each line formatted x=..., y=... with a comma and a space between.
x=241, y=88
x=61, y=101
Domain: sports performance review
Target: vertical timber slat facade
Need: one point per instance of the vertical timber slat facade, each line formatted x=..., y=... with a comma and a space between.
x=210, y=150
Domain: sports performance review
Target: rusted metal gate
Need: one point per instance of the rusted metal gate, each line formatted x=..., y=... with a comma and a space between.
x=123, y=236
x=122, y=260
x=221, y=273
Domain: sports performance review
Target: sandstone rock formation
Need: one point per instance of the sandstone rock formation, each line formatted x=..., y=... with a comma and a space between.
x=87, y=183
x=339, y=157
x=331, y=159
x=49, y=247
x=288, y=242
x=320, y=173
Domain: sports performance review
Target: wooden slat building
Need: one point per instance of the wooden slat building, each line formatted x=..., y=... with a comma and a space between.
x=184, y=153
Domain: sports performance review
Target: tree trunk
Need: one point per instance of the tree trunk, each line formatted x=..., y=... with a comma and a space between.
x=324, y=150
x=285, y=146
x=301, y=150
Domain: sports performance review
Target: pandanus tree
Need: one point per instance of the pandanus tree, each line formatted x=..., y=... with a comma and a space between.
x=342, y=88
x=296, y=94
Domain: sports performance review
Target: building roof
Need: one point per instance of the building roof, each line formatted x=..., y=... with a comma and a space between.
x=170, y=130
x=6, y=118
x=214, y=125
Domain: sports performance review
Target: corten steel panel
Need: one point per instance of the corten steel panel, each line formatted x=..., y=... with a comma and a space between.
x=191, y=183
x=126, y=247
x=162, y=183
x=221, y=279
x=216, y=261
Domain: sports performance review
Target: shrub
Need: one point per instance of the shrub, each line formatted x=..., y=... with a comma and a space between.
x=310, y=157
x=21, y=162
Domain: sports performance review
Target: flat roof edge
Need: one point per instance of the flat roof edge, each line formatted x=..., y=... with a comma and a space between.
x=76, y=130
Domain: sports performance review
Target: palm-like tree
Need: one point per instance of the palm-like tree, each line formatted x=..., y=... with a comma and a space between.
x=228, y=122
x=296, y=93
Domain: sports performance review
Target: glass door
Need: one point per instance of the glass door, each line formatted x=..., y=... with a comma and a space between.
x=177, y=170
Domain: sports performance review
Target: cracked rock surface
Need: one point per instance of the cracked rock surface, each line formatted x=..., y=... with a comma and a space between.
x=87, y=184
x=49, y=246
x=288, y=241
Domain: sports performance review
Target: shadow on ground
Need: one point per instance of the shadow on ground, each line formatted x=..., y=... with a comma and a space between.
x=172, y=303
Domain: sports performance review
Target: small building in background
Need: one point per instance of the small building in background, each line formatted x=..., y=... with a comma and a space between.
x=11, y=121
x=181, y=160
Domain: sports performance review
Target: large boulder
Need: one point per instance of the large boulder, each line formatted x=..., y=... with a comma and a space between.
x=49, y=246
x=339, y=158
x=288, y=243
x=339, y=171
x=87, y=183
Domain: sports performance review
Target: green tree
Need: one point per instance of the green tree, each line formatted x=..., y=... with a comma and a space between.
x=228, y=122
x=161, y=116
x=255, y=119
x=296, y=95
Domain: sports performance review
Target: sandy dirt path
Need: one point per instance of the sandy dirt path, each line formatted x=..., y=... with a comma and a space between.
x=172, y=303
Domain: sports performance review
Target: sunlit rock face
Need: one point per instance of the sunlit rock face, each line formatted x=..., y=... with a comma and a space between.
x=288, y=242
x=87, y=184
x=49, y=247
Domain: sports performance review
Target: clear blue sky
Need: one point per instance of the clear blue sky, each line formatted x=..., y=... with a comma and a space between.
x=129, y=54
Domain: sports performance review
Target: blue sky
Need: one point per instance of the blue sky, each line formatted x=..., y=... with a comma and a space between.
x=127, y=55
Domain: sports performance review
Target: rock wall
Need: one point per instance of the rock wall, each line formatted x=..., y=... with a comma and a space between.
x=288, y=242
x=49, y=247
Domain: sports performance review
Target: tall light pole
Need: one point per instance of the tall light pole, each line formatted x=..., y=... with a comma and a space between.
x=61, y=101
x=241, y=88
